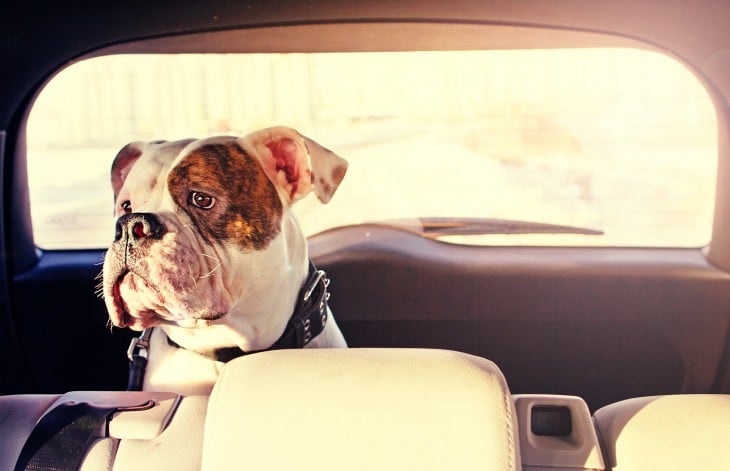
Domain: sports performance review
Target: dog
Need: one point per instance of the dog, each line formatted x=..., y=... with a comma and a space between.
x=208, y=254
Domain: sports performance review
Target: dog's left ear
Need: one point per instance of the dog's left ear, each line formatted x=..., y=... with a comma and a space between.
x=295, y=163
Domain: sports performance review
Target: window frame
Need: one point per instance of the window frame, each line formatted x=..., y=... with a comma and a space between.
x=358, y=36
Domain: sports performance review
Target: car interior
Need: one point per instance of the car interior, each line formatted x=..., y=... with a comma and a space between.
x=583, y=355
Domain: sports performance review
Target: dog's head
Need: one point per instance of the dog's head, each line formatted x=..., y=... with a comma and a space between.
x=205, y=224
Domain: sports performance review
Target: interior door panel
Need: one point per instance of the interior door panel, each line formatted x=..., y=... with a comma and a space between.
x=62, y=325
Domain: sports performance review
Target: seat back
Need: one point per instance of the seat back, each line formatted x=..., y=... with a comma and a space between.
x=333, y=409
x=322, y=409
x=678, y=432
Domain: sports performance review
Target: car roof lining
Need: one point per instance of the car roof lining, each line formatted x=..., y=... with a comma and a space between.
x=368, y=36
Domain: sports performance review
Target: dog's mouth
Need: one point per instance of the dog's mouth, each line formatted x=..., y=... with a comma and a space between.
x=140, y=318
x=122, y=317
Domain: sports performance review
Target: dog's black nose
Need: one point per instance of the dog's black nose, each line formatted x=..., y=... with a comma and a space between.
x=138, y=226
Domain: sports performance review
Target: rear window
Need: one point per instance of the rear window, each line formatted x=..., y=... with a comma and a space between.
x=616, y=147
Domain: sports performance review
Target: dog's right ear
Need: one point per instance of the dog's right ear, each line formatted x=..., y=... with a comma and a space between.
x=123, y=163
x=294, y=163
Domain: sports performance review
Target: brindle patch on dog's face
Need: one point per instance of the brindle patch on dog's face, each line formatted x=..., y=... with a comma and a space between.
x=247, y=209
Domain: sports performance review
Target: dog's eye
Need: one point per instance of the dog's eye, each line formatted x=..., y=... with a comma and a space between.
x=201, y=200
x=126, y=206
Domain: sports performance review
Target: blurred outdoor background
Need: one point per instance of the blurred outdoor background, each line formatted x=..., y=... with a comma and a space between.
x=618, y=140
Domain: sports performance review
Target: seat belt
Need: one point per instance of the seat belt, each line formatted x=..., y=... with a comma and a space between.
x=61, y=439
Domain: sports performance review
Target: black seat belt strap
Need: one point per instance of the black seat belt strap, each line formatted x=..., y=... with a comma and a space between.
x=62, y=437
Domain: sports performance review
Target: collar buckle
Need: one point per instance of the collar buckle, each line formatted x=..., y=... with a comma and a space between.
x=138, y=352
x=139, y=346
x=315, y=279
x=310, y=314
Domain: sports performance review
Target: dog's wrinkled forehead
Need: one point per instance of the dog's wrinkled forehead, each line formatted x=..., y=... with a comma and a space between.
x=241, y=203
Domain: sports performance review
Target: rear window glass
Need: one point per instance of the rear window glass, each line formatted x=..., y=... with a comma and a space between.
x=619, y=145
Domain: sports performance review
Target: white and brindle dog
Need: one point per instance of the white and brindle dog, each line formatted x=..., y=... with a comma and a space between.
x=208, y=252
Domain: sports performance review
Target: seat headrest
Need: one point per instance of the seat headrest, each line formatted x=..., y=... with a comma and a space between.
x=360, y=409
x=674, y=432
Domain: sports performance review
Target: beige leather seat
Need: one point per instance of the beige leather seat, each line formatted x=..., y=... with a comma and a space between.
x=305, y=409
x=361, y=409
x=682, y=432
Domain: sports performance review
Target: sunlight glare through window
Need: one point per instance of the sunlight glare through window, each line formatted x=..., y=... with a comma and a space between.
x=619, y=140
